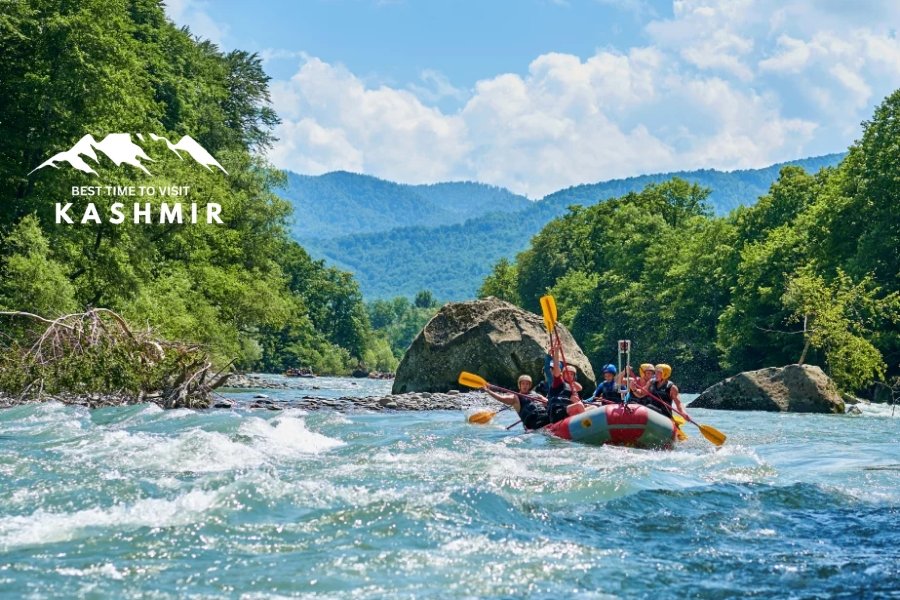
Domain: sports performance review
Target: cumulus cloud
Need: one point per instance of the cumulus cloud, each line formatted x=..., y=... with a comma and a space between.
x=195, y=14
x=382, y=131
x=727, y=84
x=435, y=86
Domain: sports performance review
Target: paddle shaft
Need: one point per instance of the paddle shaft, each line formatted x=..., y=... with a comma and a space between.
x=519, y=394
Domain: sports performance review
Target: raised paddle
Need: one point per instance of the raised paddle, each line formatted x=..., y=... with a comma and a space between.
x=548, y=308
x=709, y=432
x=482, y=417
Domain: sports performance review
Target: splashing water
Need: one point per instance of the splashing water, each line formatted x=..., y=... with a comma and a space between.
x=131, y=501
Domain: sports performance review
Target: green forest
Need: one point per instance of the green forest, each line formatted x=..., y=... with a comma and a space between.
x=244, y=289
x=450, y=259
x=809, y=273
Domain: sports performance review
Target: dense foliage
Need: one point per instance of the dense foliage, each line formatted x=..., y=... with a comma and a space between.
x=243, y=289
x=400, y=320
x=809, y=273
x=453, y=257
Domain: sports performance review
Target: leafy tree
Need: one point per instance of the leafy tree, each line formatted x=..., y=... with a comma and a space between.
x=399, y=321
x=425, y=299
x=29, y=277
x=501, y=283
x=837, y=318
x=676, y=200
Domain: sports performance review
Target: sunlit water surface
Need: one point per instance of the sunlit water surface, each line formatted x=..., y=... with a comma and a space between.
x=141, y=502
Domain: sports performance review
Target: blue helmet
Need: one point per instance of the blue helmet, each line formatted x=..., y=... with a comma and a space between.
x=610, y=369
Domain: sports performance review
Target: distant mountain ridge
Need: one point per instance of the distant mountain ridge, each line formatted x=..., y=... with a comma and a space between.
x=342, y=203
x=452, y=256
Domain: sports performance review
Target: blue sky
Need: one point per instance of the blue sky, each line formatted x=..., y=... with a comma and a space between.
x=536, y=95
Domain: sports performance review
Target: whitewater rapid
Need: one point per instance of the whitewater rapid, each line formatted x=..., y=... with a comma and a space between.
x=137, y=501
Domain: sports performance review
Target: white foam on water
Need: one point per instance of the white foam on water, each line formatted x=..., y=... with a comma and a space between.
x=42, y=527
x=879, y=410
x=286, y=436
x=107, y=570
x=193, y=450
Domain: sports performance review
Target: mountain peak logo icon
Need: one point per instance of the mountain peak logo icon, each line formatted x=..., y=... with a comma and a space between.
x=120, y=149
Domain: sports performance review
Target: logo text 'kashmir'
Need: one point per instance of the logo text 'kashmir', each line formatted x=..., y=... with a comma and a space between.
x=120, y=149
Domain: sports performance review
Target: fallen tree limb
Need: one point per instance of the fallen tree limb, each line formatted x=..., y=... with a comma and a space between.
x=97, y=352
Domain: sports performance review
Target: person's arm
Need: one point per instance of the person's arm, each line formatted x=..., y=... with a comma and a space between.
x=548, y=368
x=557, y=373
x=538, y=397
x=510, y=400
x=676, y=399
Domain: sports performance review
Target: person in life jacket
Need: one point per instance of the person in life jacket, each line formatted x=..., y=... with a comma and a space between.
x=530, y=406
x=563, y=399
x=664, y=389
x=640, y=384
x=608, y=389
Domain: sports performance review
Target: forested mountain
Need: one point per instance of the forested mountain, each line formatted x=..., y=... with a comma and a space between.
x=450, y=259
x=342, y=203
x=809, y=273
x=730, y=189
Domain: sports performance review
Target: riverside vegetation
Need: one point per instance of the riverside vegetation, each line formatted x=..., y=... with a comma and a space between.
x=810, y=273
x=242, y=291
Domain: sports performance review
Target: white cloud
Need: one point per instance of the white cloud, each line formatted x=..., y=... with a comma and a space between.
x=792, y=57
x=723, y=84
x=436, y=87
x=195, y=14
x=382, y=131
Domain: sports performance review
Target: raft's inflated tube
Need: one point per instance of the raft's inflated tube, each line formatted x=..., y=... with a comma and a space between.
x=615, y=424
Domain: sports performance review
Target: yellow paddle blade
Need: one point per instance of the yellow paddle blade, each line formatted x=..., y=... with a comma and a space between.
x=548, y=307
x=712, y=434
x=471, y=380
x=679, y=420
x=482, y=417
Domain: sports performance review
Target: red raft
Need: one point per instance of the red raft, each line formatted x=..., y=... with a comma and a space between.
x=631, y=425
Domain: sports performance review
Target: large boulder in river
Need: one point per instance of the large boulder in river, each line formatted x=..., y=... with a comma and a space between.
x=490, y=337
x=794, y=388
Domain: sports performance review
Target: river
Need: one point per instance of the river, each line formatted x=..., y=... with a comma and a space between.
x=140, y=502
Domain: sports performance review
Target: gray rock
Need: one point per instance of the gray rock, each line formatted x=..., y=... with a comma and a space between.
x=490, y=337
x=793, y=388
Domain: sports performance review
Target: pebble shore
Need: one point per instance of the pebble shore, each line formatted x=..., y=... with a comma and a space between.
x=414, y=401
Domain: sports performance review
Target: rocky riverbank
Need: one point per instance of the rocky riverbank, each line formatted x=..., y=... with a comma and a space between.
x=96, y=400
x=418, y=401
x=452, y=400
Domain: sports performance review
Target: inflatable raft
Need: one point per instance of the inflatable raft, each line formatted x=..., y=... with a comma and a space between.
x=631, y=425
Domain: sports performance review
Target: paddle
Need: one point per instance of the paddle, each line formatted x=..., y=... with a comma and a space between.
x=548, y=308
x=483, y=417
x=709, y=432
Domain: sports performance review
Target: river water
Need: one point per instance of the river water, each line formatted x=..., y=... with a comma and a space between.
x=140, y=502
